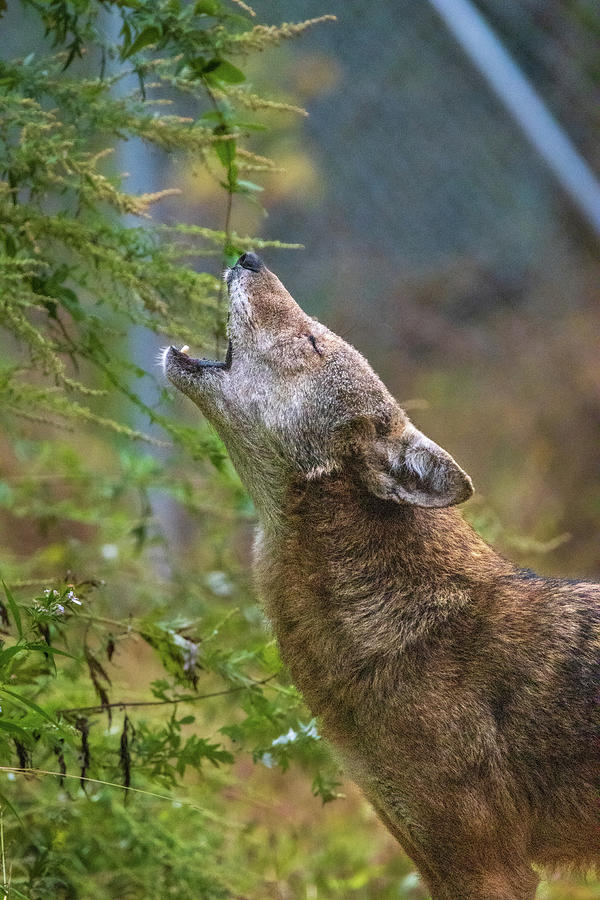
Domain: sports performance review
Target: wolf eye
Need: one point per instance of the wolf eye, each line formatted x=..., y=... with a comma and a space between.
x=313, y=341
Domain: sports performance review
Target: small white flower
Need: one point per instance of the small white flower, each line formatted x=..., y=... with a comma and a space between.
x=73, y=599
x=310, y=730
x=219, y=583
x=288, y=738
x=59, y=608
x=43, y=609
x=190, y=658
x=189, y=651
x=109, y=551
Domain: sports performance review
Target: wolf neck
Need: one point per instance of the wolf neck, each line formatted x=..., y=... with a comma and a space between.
x=379, y=576
x=370, y=536
x=264, y=481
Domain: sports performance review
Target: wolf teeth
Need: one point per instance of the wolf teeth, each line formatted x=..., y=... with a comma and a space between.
x=185, y=349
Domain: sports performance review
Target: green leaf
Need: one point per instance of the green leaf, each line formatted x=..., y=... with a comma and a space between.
x=211, y=65
x=14, y=610
x=25, y=701
x=9, y=242
x=207, y=8
x=197, y=66
x=70, y=301
x=7, y=654
x=8, y=804
x=226, y=115
x=46, y=648
x=234, y=732
x=225, y=150
x=326, y=787
x=149, y=35
x=232, y=254
x=10, y=887
x=126, y=35
x=15, y=731
x=222, y=70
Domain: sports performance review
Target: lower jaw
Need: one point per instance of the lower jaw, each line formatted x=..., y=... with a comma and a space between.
x=209, y=363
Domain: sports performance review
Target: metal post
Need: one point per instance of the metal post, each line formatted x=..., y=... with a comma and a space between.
x=508, y=82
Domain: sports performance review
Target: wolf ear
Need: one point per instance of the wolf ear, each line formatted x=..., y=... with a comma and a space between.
x=413, y=469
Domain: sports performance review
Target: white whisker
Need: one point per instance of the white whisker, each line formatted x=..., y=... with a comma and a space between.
x=161, y=357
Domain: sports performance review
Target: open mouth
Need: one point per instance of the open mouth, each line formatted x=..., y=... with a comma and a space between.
x=187, y=363
x=191, y=364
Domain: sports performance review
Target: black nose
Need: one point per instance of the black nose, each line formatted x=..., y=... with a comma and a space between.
x=250, y=261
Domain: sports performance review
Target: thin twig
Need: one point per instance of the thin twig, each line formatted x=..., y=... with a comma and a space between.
x=19, y=770
x=102, y=620
x=186, y=698
x=221, y=295
x=227, y=226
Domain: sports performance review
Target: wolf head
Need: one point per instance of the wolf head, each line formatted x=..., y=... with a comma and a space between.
x=294, y=401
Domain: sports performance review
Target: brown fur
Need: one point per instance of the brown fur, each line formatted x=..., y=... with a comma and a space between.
x=462, y=693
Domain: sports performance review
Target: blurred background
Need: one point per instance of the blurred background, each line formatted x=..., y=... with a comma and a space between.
x=438, y=241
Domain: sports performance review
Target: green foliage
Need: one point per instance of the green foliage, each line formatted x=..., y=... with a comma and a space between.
x=135, y=677
x=66, y=710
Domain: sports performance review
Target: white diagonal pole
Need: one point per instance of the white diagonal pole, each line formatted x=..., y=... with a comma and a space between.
x=488, y=54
